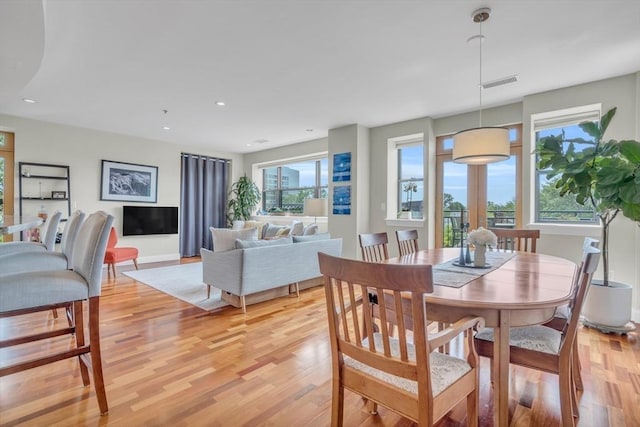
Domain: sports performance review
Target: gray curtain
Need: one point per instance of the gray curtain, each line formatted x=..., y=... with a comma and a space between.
x=203, y=201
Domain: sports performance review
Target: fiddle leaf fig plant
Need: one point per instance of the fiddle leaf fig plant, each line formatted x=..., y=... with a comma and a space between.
x=243, y=199
x=605, y=175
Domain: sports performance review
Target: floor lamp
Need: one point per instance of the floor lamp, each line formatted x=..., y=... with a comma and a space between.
x=315, y=208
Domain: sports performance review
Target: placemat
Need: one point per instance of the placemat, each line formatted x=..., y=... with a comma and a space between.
x=447, y=274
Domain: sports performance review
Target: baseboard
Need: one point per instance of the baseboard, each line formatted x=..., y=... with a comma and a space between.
x=635, y=315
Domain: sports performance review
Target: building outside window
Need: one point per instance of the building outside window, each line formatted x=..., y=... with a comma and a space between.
x=550, y=207
x=285, y=186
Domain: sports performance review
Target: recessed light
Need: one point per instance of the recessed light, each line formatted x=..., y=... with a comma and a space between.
x=309, y=130
x=29, y=100
x=248, y=144
x=261, y=141
x=166, y=128
x=220, y=103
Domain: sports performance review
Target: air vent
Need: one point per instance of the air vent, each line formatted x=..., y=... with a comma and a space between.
x=500, y=82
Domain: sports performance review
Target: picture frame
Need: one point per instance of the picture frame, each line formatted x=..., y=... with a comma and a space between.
x=342, y=200
x=128, y=182
x=342, y=167
x=58, y=194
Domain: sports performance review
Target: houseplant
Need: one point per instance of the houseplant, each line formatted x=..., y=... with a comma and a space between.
x=243, y=199
x=606, y=176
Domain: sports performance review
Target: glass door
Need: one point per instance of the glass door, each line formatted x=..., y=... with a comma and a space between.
x=480, y=196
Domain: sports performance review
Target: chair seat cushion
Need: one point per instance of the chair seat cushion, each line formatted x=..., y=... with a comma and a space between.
x=445, y=369
x=40, y=288
x=537, y=338
x=113, y=255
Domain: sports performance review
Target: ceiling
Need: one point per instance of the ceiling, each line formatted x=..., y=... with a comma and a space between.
x=290, y=70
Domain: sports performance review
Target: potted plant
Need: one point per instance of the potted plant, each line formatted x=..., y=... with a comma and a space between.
x=243, y=199
x=606, y=175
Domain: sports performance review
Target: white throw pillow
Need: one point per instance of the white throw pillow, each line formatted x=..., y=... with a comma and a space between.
x=224, y=239
x=310, y=229
x=297, y=228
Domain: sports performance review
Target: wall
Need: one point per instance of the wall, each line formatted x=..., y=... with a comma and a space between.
x=83, y=149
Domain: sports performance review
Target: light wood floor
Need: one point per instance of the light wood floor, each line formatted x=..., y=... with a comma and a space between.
x=168, y=363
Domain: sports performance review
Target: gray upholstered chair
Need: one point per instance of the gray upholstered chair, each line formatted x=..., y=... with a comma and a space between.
x=36, y=291
x=20, y=262
x=48, y=239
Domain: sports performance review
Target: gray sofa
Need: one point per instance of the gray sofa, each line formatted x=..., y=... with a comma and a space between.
x=243, y=272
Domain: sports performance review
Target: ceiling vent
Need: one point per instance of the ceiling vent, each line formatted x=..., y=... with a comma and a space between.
x=500, y=82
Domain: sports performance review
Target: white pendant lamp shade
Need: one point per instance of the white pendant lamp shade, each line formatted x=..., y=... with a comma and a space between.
x=481, y=145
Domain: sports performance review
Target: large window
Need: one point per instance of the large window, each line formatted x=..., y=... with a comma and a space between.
x=550, y=207
x=286, y=185
x=406, y=193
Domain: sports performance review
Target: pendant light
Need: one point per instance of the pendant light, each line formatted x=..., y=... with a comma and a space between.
x=481, y=145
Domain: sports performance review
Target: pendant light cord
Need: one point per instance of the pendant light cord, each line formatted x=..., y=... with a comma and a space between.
x=480, y=82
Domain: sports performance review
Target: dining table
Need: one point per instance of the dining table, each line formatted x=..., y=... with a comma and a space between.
x=10, y=224
x=519, y=289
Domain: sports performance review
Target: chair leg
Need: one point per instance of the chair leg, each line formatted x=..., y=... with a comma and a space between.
x=135, y=262
x=472, y=408
x=577, y=367
x=337, y=403
x=113, y=267
x=79, y=333
x=372, y=407
x=96, y=357
x=55, y=313
x=566, y=392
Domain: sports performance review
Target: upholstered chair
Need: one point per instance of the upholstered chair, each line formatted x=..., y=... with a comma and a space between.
x=36, y=291
x=115, y=254
x=47, y=242
x=20, y=262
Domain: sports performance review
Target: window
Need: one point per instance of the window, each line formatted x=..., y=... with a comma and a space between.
x=405, y=194
x=286, y=185
x=549, y=206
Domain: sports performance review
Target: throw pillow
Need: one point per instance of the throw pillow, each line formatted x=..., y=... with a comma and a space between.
x=297, y=228
x=259, y=224
x=224, y=239
x=310, y=229
x=283, y=232
x=273, y=229
x=311, y=237
x=245, y=244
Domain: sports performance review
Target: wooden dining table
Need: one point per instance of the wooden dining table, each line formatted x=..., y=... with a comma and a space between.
x=525, y=290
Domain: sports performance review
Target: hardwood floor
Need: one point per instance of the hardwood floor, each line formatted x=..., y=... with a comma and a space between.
x=169, y=363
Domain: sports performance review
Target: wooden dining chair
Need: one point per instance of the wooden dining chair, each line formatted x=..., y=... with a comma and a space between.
x=407, y=241
x=514, y=239
x=374, y=246
x=401, y=373
x=547, y=349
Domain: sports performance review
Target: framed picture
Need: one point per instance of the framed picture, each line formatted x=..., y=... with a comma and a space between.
x=342, y=167
x=58, y=194
x=128, y=182
x=342, y=200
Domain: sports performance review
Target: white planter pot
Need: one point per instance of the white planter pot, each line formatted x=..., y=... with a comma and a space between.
x=608, y=305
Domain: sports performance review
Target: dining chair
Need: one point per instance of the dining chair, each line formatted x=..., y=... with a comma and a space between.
x=407, y=241
x=514, y=239
x=547, y=349
x=401, y=373
x=47, y=240
x=562, y=315
x=36, y=291
x=374, y=246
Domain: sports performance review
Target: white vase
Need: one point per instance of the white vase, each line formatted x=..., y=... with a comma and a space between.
x=479, y=258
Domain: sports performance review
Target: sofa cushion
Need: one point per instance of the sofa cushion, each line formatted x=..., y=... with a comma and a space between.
x=272, y=230
x=310, y=229
x=224, y=239
x=245, y=244
x=260, y=225
x=297, y=228
x=311, y=237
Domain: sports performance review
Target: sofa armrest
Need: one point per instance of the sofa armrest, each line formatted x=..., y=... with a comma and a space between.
x=223, y=270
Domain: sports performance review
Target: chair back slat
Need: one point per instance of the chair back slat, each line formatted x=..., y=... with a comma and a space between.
x=407, y=241
x=513, y=239
x=374, y=247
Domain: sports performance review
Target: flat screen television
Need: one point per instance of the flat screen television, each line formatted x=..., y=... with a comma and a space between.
x=145, y=220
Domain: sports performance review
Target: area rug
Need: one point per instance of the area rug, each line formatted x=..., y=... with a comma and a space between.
x=183, y=281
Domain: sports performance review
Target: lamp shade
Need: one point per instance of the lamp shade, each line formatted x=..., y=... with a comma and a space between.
x=315, y=207
x=482, y=145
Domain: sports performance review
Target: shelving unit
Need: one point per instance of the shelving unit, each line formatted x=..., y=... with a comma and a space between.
x=43, y=184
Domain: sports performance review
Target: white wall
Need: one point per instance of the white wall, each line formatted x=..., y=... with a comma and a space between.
x=83, y=149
